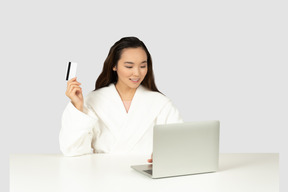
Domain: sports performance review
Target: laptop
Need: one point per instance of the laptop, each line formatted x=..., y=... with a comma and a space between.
x=183, y=149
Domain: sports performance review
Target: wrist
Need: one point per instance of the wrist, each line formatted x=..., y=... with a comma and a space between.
x=80, y=108
x=77, y=106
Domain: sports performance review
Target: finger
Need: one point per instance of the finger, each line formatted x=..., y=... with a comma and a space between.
x=77, y=90
x=150, y=160
x=70, y=89
x=73, y=83
x=72, y=80
x=76, y=94
x=73, y=87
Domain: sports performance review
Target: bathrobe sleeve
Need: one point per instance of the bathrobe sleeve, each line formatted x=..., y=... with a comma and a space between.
x=169, y=114
x=77, y=131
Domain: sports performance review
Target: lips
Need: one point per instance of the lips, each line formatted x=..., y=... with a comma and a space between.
x=135, y=80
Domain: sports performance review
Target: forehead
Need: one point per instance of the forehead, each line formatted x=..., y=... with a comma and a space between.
x=133, y=54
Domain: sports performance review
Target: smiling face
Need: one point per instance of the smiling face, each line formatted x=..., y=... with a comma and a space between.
x=131, y=68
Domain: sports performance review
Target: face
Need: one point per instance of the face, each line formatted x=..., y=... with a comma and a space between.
x=131, y=68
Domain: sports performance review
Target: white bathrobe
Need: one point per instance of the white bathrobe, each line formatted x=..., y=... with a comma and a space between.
x=106, y=127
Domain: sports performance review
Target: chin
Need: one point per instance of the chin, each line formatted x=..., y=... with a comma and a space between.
x=134, y=86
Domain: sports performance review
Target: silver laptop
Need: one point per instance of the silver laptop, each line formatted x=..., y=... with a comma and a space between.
x=183, y=149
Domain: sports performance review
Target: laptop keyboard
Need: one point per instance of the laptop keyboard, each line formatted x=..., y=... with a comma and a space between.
x=149, y=171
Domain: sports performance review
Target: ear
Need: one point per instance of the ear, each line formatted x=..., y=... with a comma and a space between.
x=114, y=68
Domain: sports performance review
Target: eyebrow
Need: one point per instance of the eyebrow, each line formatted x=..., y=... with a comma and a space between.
x=129, y=62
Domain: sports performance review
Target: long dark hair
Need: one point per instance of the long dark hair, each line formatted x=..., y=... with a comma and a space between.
x=108, y=76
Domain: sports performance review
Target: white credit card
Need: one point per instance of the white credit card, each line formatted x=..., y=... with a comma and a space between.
x=71, y=70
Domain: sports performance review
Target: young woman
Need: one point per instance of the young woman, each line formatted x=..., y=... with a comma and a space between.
x=119, y=115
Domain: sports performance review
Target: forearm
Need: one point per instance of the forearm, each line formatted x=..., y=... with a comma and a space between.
x=76, y=132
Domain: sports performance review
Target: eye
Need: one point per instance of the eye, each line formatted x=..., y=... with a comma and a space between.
x=128, y=67
x=144, y=66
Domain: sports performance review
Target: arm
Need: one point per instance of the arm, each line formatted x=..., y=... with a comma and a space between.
x=77, y=124
x=77, y=132
x=169, y=114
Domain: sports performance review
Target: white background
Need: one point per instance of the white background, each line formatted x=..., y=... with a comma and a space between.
x=223, y=60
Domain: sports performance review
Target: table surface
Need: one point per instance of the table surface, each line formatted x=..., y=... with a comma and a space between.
x=103, y=172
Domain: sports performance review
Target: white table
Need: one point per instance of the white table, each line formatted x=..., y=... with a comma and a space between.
x=104, y=173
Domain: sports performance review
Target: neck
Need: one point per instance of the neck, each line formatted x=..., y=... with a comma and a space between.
x=126, y=93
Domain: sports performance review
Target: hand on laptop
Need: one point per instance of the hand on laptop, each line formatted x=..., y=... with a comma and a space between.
x=150, y=160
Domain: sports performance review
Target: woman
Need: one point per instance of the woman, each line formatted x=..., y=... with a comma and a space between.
x=119, y=115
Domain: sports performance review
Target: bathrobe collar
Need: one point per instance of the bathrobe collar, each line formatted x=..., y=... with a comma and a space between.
x=127, y=128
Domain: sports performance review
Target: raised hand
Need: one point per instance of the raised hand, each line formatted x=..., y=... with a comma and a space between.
x=74, y=92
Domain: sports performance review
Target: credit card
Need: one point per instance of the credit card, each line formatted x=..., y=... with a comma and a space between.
x=71, y=70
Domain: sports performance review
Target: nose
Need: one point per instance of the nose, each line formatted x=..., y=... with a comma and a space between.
x=136, y=71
